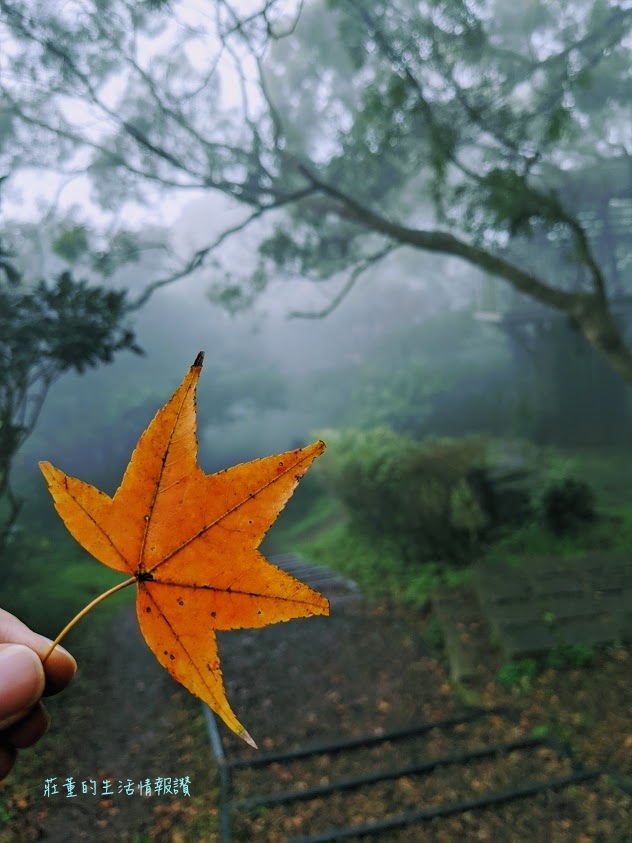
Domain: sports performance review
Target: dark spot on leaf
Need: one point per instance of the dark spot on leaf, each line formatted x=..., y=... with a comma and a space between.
x=180, y=602
x=258, y=611
x=164, y=652
x=148, y=609
x=171, y=656
x=281, y=463
x=213, y=614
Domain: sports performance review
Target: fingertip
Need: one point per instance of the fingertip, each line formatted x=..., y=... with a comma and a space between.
x=22, y=682
x=60, y=667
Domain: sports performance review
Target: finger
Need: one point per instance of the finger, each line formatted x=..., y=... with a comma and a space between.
x=60, y=667
x=29, y=730
x=22, y=682
x=7, y=760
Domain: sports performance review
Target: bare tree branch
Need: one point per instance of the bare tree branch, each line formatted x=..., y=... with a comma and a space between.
x=445, y=243
x=359, y=270
x=200, y=256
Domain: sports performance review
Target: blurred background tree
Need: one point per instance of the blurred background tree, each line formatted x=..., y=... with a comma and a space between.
x=489, y=132
x=46, y=329
x=463, y=167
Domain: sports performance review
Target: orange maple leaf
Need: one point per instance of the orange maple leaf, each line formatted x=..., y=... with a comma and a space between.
x=189, y=540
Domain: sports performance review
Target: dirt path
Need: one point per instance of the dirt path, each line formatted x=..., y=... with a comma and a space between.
x=361, y=671
x=124, y=718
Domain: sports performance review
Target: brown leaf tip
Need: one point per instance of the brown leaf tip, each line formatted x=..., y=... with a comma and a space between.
x=199, y=360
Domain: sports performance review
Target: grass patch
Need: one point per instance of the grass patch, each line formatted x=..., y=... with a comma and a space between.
x=377, y=567
x=608, y=472
x=521, y=673
x=323, y=534
x=295, y=527
x=571, y=655
x=518, y=674
x=47, y=581
x=534, y=539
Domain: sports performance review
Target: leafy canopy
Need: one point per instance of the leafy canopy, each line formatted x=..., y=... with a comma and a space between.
x=45, y=330
x=490, y=131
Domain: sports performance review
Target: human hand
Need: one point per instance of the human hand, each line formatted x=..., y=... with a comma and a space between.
x=23, y=680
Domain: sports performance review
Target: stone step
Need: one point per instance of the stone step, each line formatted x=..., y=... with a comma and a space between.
x=464, y=633
x=503, y=615
x=588, y=631
x=554, y=584
x=548, y=602
x=549, y=609
x=499, y=584
x=526, y=641
x=337, y=588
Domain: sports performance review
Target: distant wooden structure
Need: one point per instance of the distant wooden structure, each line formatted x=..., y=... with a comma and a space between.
x=573, y=393
x=574, y=396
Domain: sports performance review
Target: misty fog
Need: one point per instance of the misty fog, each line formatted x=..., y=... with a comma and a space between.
x=264, y=340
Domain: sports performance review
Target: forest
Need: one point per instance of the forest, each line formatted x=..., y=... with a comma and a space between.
x=399, y=227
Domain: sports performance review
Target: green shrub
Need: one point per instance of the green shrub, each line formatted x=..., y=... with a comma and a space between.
x=414, y=493
x=563, y=502
x=567, y=505
x=518, y=674
x=571, y=655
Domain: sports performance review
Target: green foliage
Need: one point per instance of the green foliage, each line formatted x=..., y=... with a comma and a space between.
x=46, y=330
x=512, y=203
x=47, y=580
x=563, y=502
x=376, y=565
x=450, y=112
x=465, y=510
x=541, y=731
x=411, y=493
x=400, y=398
x=122, y=249
x=571, y=655
x=535, y=539
x=325, y=537
x=303, y=520
x=519, y=674
x=605, y=473
x=563, y=733
x=67, y=324
x=567, y=505
x=427, y=377
x=71, y=244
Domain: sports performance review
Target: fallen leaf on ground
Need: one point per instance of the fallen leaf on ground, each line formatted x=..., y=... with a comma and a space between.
x=189, y=541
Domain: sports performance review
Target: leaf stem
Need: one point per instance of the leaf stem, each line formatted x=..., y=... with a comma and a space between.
x=85, y=611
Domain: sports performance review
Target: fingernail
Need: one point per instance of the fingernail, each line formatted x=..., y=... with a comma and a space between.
x=21, y=681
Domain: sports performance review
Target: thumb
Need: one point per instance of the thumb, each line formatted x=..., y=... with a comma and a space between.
x=21, y=682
